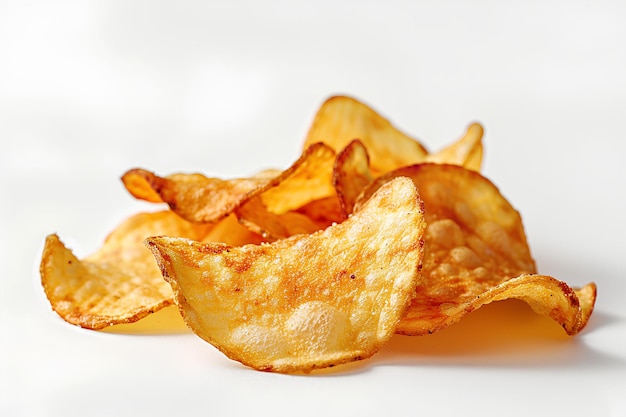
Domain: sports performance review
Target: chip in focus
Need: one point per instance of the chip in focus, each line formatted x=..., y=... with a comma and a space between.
x=309, y=301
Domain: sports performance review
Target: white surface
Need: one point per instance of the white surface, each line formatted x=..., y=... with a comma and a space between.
x=91, y=89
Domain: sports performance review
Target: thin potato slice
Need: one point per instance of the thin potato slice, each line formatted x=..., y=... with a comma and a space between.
x=309, y=179
x=200, y=199
x=256, y=218
x=120, y=283
x=544, y=294
x=194, y=197
x=467, y=151
x=351, y=175
x=342, y=119
x=474, y=244
x=309, y=301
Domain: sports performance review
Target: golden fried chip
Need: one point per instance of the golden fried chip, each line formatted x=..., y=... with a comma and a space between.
x=323, y=212
x=230, y=231
x=474, y=244
x=467, y=151
x=120, y=283
x=305, y=302
x=194, y=197
x=351, y=175
x=341, y=119
x=307, y=180
x=200, y=199
x=255, y=216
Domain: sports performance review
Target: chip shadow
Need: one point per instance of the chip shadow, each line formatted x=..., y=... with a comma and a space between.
x=502, y=334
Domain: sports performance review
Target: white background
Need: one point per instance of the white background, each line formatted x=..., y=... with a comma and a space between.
x=90, y=89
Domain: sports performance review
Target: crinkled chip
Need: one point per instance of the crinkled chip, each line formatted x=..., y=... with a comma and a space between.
x=120, y=283
x=342, y=119
x=305, y=302
x=475, y=248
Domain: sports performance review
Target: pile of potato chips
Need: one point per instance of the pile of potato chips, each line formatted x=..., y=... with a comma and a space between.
x=365, y=235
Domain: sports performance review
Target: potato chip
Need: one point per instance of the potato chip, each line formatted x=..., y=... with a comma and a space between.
x=474, y=243
x=351, y=175
x=467, y=151
x=309, y=301
x=342, y=119
x=120, y=283
x=307, y=180
x=194, y=197
x=255, y=216
x=200, y=199
x=231, y=232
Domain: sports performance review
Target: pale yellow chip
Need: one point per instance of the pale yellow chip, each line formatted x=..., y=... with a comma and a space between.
x=474, y=244
x=120, y=283
x=306, y=302
x=342, y=119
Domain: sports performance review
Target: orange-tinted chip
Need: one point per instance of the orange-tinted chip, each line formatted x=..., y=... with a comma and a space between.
x=307, y=180
x=309, y=301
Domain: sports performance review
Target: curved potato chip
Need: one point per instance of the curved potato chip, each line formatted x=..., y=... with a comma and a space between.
x=120, y=283
x=305, y=302
x=194, y=197
x=351, y=175
x=200, y=199
x=341, y=119
x=323, y=212
x=544, y=294
x=476, y=252
x=230, y=231
x=467, y=151
x=309, y=179
x=255, y=216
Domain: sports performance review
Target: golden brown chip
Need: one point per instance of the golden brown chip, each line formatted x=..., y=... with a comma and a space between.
x=342, y=119
x=230, y=231
x=200, y=199
x=194, y=197
x=323, y=212
x=351, y=175
x=467, y=151
x=474, y=244
x=309, y=301
x=256, y=218
x=307, y=180
x=120, y=283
